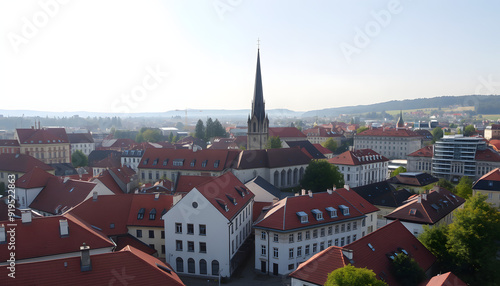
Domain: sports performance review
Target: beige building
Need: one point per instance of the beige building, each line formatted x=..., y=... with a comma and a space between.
x=49, y=145
x=489, y=185
x=390, y=143
x=492, y=132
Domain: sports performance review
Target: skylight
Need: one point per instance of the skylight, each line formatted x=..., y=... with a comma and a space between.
x=413, y=212
x=371, y=247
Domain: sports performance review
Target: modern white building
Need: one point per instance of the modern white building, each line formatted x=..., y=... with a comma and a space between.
x=206, y=229
x=361, y=167
x=295, y=228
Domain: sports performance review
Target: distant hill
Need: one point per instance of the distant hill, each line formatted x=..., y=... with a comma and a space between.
x=483, y=104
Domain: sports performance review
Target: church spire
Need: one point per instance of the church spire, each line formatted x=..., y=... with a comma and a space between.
x=400, y=123
x=258, y=107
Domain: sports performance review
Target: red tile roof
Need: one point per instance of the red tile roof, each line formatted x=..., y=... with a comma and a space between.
x=389, y=133
x=42, y=136
x=9, y=143
x=109, y=182
x=186, y=183
x=109, y=213
x=149, y=204
x=122, y=241
x=123, y=143
x=427, y=151
x=437, y=204
x=322, y=149
x=41, y=237
x=35, y=178
x=391, y=238
x=21, y=163
x=156, y=158
x=495, y=143
x=446, y=279
x=358, y=157
x=283, y=215
x=129, y=266
x=111, y=161
x=487, y=155
x=286, y=132
x=493, y=175
x=59, y=196
x=321, y=132
x=221, y=192
x=258, y=207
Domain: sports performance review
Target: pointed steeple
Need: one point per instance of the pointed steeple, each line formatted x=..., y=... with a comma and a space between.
x=258, y=107
x=401, y=123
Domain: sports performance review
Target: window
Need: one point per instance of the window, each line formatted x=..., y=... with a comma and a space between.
x=178, y=245
x=193, y=163
x=232, y=246
x=348, y=239
x=203, y=266
x=215, y=267
x=318, y=214
x=152, y=214
x=315, y=233
x=290, y=238
x=348, y=226
x=322, y=232
x=299, y=251
x=263, y=250
x=290, y=253
x=315, y=248
x=355, y=225
x=336, y=242
x=353, y=237
x=151, y=234
x=276, y=237
x=165, y=162
x=138, y=233
x=329, y=243
x=190, y=246
x=178, y=228
x=342, y=241
x=203, y=247
x=307, y=250
x=342, y=228
x=290, y=267
x=140, y=214
x=337, y=229
x=216, y=164
x=303, y=217
x=330, y=230
x=322, y=246
x=275, y=252
x=155, y=162
x=363, y=222
x=179, y=264
x=162, y=234
x=178, y=162
x=263, y=235
x=190, y=228
x=308, y=234
x=191, y=265
x=299, y=236
x=204, y=163
x=203, y=229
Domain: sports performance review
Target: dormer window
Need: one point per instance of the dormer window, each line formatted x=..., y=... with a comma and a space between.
x=165, y=162
x=152, y=214
x=344, y=209
x=303, y=217
x=240, y=191
x=155, y=162
x=178, y=162
x=222, y=204
x=145, y=162
x=231, y=199
x=163, y=212
x=317, y=214
x=331, y=211
x=204, y=163
x=140, y=214
x=193, y=163
x=216, y=164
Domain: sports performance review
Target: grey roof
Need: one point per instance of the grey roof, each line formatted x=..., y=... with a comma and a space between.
x=271, y=158
x=306, y=144
x=383, y=194
x=258, y=106
x=263, y=183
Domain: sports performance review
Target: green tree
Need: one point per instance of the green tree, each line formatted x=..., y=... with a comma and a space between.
x=472, y=236
x=171, y=137
x=464, y=187
x=273, y=143
x=139, y=138
x=398, y=170
x=469, y=130
x=407, y=271
x=459, y=131
x=330, y=144
x=353, y=276
x=435, y=240
x=151, y=135
x=78, y=159
x=179, y=125
x=437, y=133
x=443, y=183
x=199, y=130
x=209, y=131
x=361, y=129
x=219, y=130
x=321, y=175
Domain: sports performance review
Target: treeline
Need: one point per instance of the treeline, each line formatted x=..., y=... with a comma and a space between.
x=90, y=123
x=210, y=130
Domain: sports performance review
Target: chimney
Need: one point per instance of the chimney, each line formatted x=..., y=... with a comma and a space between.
x=94, y=196
x=419, y=199
x=297, y=194
x=347, y=253
x=65, y=179
x=424, y=196
x=157, y=196
x=275, y=200
x=85, y=263
x=3, y=234
x=26, y=216
x=63, y=227
x=310, y=193
x=303, y=192
x=346, y=187
x=329, y=191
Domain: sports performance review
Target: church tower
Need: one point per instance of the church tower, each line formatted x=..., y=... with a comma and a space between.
x=258, y=122
x=400, y=124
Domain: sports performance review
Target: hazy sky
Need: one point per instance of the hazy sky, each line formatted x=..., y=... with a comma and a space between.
x=154, y=56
